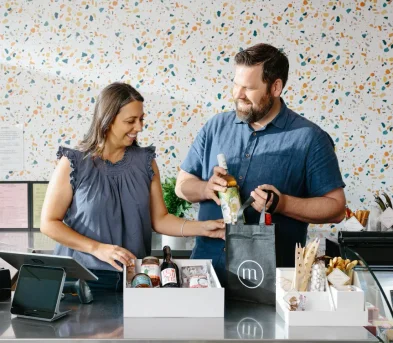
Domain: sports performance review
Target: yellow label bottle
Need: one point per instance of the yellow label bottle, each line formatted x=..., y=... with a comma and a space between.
x=230, y=200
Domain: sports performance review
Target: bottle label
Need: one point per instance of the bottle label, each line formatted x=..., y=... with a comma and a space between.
x=168, y=275
x=230, y=204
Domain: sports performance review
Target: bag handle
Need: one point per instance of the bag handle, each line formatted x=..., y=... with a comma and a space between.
x=250, y=200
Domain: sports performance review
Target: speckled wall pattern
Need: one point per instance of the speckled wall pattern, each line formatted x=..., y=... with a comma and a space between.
x=56, y=56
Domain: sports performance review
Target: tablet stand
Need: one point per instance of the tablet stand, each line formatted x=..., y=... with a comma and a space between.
x=41, y=315
x=71, y=267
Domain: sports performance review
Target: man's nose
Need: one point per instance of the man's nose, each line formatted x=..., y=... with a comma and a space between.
x=239, y=93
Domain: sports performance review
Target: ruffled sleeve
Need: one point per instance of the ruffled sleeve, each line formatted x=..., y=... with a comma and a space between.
x=150, y=155
x=72, y=157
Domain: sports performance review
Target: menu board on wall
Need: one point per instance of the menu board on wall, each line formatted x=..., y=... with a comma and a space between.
x=14, y=209
x=39, y=191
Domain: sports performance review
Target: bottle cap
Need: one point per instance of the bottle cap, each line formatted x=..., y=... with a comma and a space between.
x=222, y=161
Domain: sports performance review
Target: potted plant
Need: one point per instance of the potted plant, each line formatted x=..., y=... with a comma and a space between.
x=174, y=204
x=177, y=207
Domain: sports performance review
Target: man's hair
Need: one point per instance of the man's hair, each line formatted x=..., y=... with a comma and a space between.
x=274, y=62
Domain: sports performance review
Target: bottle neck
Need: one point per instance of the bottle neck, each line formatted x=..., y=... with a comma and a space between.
x=167, y=254
x=168, y=257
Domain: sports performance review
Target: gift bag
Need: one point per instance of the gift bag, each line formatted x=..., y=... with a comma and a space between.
x=251, y=259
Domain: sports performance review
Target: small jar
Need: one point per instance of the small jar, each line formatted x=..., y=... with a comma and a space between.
x=141, y=280
x=151, y=266
x=130, y=272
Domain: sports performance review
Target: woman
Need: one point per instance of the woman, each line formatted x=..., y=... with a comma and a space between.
x=105, y=197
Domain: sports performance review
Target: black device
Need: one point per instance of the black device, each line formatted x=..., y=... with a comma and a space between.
x=73, y=269
x=38, y=293
x=81, y=288
x=5, y=284
x=374, y=247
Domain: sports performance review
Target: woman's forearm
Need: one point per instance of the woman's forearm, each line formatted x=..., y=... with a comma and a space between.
x=171, y=225
x=68, y=237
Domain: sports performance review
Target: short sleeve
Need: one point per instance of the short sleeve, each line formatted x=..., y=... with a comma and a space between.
x=322, y=169
x=71, y=156
x=193, y=164
x=150, y=156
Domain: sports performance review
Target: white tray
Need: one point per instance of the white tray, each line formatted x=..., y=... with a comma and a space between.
x=320, y=309
x=175, y=302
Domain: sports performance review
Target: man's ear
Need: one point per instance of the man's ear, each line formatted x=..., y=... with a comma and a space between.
x=277, y=88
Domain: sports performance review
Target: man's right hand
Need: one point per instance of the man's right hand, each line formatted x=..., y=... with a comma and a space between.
x=215, y=184
x=111, y=253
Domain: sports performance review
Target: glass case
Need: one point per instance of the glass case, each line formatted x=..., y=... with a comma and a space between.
x=377, y=285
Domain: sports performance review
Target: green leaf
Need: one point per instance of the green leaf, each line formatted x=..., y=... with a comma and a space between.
x=174, y=204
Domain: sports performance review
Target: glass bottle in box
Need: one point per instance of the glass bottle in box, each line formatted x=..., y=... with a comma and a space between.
x=169, y=270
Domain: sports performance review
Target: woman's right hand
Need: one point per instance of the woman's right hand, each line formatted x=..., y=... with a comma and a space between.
x=111, y=253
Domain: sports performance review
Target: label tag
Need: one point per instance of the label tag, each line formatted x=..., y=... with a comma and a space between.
x=168, y=276
x=230, y=204
x=338, y=278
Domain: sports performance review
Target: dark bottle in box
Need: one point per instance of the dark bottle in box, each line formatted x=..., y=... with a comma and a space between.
x=169, y=270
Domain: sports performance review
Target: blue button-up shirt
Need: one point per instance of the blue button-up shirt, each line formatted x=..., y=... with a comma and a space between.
x=291, y=153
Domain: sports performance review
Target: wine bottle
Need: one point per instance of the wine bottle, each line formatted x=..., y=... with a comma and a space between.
x=230, y=200
x=169, y=270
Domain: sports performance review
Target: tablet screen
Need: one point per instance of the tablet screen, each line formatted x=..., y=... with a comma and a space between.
x=37, y=290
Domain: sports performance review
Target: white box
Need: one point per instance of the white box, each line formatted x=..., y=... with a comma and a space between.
x=175, y=302
x=348, y=300
x=320, y=310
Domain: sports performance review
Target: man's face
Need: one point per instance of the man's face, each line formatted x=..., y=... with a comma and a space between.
x=252, y=98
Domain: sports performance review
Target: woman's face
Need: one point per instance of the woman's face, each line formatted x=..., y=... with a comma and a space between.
x=127, y=124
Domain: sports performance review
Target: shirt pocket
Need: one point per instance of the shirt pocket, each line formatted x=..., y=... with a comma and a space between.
x=272, y=169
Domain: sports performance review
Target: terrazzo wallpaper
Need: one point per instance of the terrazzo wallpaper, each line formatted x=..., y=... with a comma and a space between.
x=56, y=56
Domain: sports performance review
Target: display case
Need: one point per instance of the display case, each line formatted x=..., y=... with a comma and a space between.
x=377, y=284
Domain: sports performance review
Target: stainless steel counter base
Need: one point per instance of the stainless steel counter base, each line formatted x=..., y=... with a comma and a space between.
x=103, y=320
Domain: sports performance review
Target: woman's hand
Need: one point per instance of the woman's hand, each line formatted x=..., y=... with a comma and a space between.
x=214, y=228
x=111, y=253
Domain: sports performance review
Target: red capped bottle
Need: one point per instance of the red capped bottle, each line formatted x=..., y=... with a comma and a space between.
x=169, y=270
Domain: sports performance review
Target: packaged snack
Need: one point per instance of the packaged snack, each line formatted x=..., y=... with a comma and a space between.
x=195, y=277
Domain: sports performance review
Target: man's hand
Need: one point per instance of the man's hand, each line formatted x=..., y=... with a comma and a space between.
x=215, y=184
x=261, y=196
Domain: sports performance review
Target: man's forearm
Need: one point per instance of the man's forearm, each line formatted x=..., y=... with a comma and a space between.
x=191, y=190
x=319, y=210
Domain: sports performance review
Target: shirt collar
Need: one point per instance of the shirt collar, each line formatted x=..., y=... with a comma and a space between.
x=279, y=121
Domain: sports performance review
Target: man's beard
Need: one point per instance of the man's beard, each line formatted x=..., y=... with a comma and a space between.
x=256, y=113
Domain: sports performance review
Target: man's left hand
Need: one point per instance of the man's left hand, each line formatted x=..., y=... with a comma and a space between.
x=260, y=197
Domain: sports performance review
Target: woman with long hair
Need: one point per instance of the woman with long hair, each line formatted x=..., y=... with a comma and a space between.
x=105, y=197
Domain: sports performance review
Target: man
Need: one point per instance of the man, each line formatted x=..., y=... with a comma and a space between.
x=267, y=147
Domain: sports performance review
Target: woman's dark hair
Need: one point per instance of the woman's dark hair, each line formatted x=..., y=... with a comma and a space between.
x=111, y=99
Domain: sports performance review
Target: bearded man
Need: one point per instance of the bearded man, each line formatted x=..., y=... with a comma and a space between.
x=267, y=147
